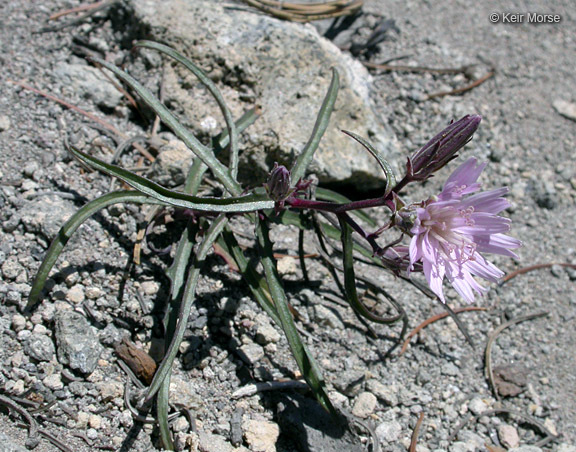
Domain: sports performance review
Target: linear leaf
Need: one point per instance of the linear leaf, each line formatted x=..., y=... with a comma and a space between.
x=209, y=84
x=162, y=407
x=305, y=157
x=303, y=358
x=204, y=153
x=70, y=227
x=248, y=203
x=350, y=277
x=390, y=177
x=188, y=296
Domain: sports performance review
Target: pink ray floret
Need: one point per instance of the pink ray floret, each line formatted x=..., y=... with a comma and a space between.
x=452, y=230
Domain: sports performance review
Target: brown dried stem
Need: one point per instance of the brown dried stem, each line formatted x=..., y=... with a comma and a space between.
x=433, y=319
x=300, y=12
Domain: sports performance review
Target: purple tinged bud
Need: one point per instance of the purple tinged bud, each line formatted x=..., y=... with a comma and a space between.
x=442, y=148
x=278, y=183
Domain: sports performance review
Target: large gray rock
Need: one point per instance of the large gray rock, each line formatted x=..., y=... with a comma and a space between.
x=78, y=345
x=281, y=66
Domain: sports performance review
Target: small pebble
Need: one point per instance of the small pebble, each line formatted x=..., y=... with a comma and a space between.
x=53, y=382
x=150, y=287
x=261, y=436
x=389, y=431
x=364, y=405
x=477, y=406
x=76, y=294
x=251, y=353
x=95, y=421
x=508, y=436
x=180, y=425
x=4, y=123
x=18, y=322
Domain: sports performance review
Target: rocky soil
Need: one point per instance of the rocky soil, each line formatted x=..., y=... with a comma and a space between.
x=60, y=364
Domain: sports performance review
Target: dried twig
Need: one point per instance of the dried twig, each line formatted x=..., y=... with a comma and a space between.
x=90, y=116
x=68, y=105
x=90, y=10
x=78, y=9
x=490, y=343
x=421, y=69
x=463, y=89
x=414, y=440
x=523, y=270
x=433, y=319
x=306, y=12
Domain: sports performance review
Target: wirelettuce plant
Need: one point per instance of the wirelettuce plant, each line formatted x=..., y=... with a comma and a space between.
x=445, y=234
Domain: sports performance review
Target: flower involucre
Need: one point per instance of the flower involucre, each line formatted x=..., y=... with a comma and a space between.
x=451, y=230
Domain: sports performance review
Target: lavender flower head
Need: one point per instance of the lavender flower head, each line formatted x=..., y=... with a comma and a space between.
x=451, y=230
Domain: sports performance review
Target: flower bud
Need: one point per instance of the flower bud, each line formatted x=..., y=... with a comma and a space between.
x=442, y=148
x=278, y=183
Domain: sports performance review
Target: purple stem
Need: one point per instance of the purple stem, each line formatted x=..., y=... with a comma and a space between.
x=336, y=208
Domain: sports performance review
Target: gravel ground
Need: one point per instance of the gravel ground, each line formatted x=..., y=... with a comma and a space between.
x=62, y=357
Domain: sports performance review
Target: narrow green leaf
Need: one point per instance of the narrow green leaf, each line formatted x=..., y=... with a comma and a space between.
x=205, y=80
x=162, y=407
x=248, y=203
x=205, y=154
x=390, y=177
x=188, y=296
x=71, y=226
x=350, y=277
x=303, y=358
x=322, y=121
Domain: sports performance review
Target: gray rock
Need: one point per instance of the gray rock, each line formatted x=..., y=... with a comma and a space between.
x=364, y=405
x=40, y=347
x=386, y=393
x=508, y=436
x=350, y=382
x=11, y=268
x=325, y=316
x=285, y=68
x=261, y=436
x=565, y=108
x=90, y=83
x=53, y=382
x=389, y=431
x=4, y=123
x=477, y=406
x=78, y=345
x=266, y=334
x=565, y=447
x=251, y=353
x=46, y=214
x=184, y=395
